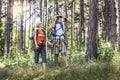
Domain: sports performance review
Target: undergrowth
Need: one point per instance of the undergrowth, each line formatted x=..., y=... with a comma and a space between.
x=21, y=66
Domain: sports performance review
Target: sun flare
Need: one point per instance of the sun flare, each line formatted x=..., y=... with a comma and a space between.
x=17, y=10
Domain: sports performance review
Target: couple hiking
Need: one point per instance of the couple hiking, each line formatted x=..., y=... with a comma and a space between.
x=58, y=44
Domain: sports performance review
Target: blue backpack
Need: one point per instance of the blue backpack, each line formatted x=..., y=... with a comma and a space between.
x=53, y=31
x=31, y=37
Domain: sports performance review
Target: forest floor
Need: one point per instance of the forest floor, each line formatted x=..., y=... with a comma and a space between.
x=78, y=70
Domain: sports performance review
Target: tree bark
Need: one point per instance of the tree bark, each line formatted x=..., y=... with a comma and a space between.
x=56, y=7
x=41, y=10
x=1, y=31
x=91, y=51
x=8, y=30
x=119, y=24
x=0, y=8
x=72, y=21
x=81, y=29
x=113, y=23
x=66, y=15
x=21, y=42
x=106, y=28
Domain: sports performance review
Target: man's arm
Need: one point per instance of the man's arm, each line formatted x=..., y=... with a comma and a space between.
x=54, y=22
x=67, y=22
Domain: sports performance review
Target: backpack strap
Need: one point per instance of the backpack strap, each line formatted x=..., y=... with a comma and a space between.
x=53, y=31
x=61, y=25
x=37, y=32
x=44, y=31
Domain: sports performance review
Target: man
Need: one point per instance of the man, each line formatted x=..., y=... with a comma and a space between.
x=59, y=39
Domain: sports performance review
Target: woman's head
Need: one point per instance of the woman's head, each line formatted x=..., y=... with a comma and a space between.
x=39, y=25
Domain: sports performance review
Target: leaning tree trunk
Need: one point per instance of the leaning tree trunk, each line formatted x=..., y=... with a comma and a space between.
x=119, y=24
x=81, y=29
x=113, y=23
x=8, y=31
x=91, y=51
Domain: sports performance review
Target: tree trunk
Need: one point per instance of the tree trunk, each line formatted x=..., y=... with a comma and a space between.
x=66, y=15
x=46, y=18
x=1, y=31
x=81, y=29
x=8, y=31
x=21, y=28
x=66, y=8
x=119, y=24
x=56, y=7
x=41, y=10
x=5, y=32
x=106, y=27
x=113, y=23
x=0, y=8
x=72, y=21
x=91, y=51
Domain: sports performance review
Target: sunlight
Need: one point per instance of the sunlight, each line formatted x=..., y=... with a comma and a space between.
x=17, y=10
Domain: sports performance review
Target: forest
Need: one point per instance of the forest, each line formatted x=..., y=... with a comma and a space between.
x=92, y=39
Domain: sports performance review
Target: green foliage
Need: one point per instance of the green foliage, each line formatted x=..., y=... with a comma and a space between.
x=90, y=71
x=1, y=37
x=105, y=52
x=21, y=66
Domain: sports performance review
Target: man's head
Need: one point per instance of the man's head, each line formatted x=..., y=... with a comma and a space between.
x=58, y=17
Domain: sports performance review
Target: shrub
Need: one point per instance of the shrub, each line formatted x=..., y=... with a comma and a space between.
x=105, y=52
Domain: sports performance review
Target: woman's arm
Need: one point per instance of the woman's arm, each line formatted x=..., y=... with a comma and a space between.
x=49, y=43
x=35, y=39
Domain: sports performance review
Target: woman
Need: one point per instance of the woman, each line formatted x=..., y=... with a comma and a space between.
x=40, y=41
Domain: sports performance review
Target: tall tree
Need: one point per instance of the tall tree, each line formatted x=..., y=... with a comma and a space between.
x=113, y=23
x=0, y=8
x=81, y=29
x=56, y=7
x=46, y=17
x=72, y=21
x=119, y=24
x=1, y=31
x=66, y=15
x=66, y=8
x=91, y=51
x=21, y=38
x=41, y=10
x=106, y=23
x=8, y=29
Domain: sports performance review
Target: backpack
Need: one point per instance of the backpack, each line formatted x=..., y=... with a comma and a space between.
x=42, y=39
x=53, y=31
x=31, y=37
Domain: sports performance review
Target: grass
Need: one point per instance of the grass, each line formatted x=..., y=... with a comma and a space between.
x=88, y=71
x=21, y=67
